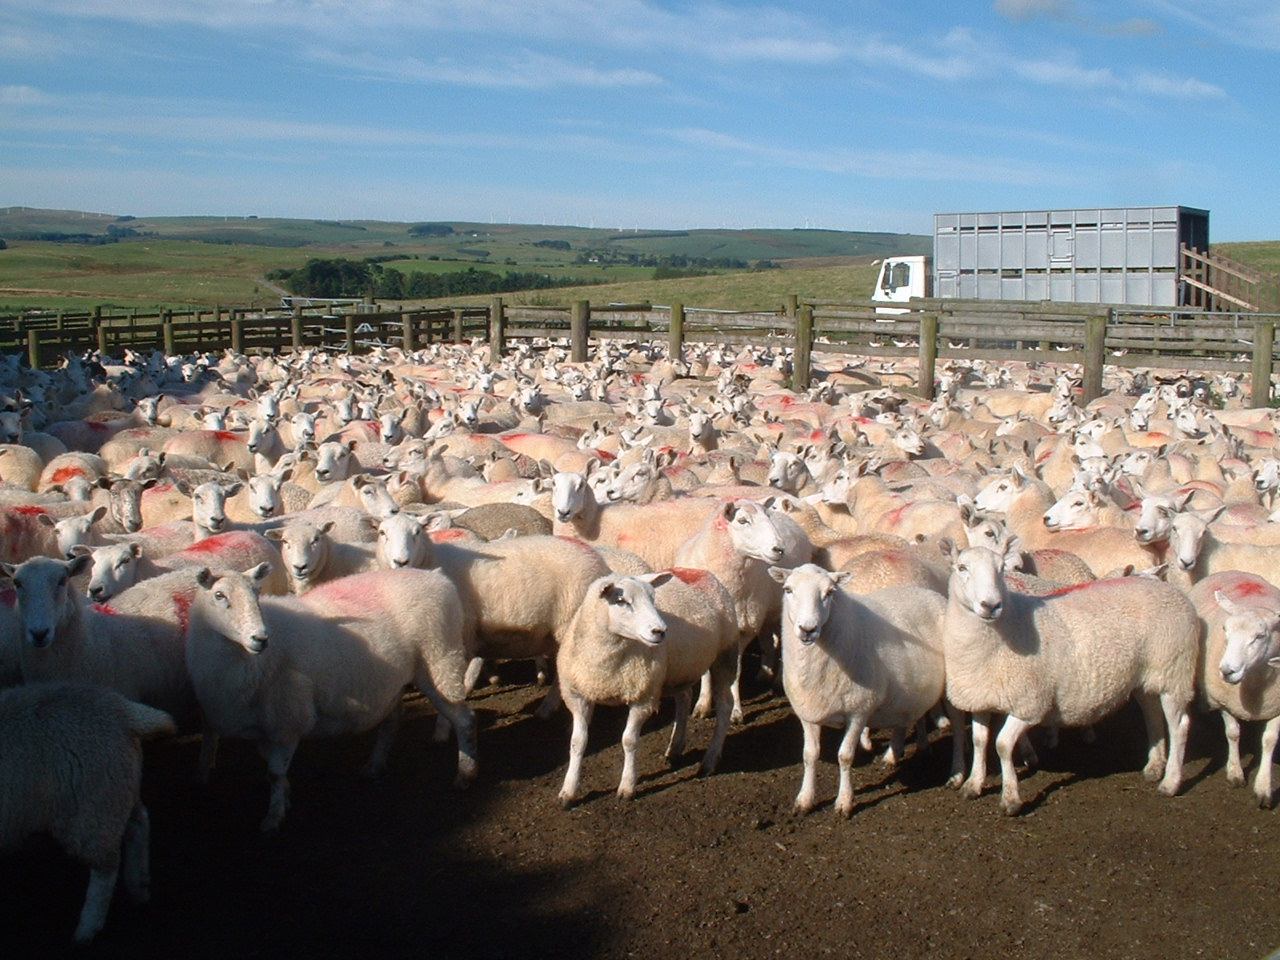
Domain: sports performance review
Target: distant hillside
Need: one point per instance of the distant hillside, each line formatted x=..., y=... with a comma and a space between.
x=447, y=238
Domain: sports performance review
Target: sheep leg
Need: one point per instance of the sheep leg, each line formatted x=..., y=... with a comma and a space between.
x=737, y=715
x=1156, y=743
x=636, y=716
x=848, y=747
x=278, y=757
x=680, y=723
x=703, y=707
x=474, y=668
x=97, y=899
x=959, y=735
x=453, y=716
x=1006, y=744
x=581, y=709
x=1262, y=780
x=768, y=658
x=724, y=699
x=1178, y=721
x=812, y=745
x=1235, y=769
x=386, y=735
x=137, y=855
x=550, y=703
x=972, y=787
x=208, y=754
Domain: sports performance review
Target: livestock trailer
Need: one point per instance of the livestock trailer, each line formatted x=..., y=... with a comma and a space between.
x=1118, y=255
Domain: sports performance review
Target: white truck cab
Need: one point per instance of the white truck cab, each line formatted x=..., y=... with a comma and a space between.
x=902, y=278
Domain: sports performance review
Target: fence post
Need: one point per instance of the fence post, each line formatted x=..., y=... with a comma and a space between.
x=457, y=324
x=800, y=365
x=791, y=306
x=1264, y=332
x=497, y=330
x=408, y=340
x=928, y=353
x=33, y=349
x=579, y=330
x=166, y=329
x=1095, y=356
x=101, y=331
x=675, y=334
x=295, y=329
x=237, y=335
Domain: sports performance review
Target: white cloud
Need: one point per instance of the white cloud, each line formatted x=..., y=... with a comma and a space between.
x=1030, y=9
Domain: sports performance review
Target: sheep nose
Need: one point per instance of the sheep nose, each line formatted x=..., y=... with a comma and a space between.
x=39, y=638
x=258, y=642
x=776, y=552
x=990, y=609
x=1142, y=533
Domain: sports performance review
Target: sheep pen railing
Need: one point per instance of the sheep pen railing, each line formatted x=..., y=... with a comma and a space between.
x=1092, y=335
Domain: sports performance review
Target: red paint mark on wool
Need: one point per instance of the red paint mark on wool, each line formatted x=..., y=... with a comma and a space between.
x=605, y=456
x=1073, y=588
x=29, y=511
x=182, y=610
x=214, y=544
x=449, y=535
x=348, y=593
x=1245, y=588
x=105, y=609
x=96, y=427
x=372, y=427
x=578, y=542
x=689, y=575
x=223, y=435
x=894, y=516
x=63, y=474
x=157, y=490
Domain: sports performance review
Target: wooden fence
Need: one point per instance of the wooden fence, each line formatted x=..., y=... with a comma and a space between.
x=928, y=329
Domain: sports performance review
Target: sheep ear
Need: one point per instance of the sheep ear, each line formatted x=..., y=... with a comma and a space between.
x=327, y=526
x=259, y=573
x=1228, y=606
x=98, y=514
x=234, y=488
x=948, y=548
x=275, y=533
x=79, y=564
x=841, y=577
x=779, y=573
x=46, y=520
x=80, y=548
x=656, y=580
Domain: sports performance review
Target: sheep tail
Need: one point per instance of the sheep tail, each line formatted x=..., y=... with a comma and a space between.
x=147, y=721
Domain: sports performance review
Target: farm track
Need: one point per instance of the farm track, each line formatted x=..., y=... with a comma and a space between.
x=1100, y=865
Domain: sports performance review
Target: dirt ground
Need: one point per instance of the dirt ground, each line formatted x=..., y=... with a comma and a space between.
x=1097, y=865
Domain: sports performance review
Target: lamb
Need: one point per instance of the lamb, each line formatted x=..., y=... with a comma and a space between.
x=1240, y=614
x=633, y=638
x=855, y=661
x=72, y=766
x=336, y=661
x=311, y=556
x=1054, y=660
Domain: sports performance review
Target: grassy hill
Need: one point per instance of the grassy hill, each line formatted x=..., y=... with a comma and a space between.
x=75, y=260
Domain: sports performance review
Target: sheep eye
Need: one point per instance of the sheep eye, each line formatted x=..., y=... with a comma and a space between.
x=219, y=595
x=962, y=568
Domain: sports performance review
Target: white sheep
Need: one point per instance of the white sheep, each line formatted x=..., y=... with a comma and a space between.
x=312, y=555
x=336, y=661
x=1240, y=613
x=633, y=638
x=64, y=637
x=119, y=566
x=1068, y=659
x=856, y=661
x=72, y=766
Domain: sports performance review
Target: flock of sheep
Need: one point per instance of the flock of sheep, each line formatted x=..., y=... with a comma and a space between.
x=275, y=548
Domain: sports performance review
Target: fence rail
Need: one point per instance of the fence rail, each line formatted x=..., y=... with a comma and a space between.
x=928, y=329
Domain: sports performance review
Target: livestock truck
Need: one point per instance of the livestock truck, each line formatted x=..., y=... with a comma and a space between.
x=1122, y=255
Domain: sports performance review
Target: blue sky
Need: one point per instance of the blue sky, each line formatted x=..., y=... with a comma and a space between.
x=841, y=114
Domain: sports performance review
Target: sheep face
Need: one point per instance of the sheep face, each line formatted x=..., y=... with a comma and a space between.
x=228, y=604
x=209, y=505
x=568, y=495
x=977, y=582
x=752, y=531
x=1075, y=511
x=304, y=547
x=71, y=532
x=124, y=499
x=333, y=461
x=43, y=592
x=631, y=610
x=1252, y=639
x=787, y=472
x=264, y=495
x=115, y=568
x=632, y=484
x=403, y=542
x=808, y=594
x=374, y=496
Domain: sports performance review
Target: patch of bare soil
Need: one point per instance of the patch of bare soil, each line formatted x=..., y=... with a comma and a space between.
x=1097, y=865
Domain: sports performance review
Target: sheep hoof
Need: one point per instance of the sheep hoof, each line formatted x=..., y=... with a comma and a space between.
x=1010, y=808
x=626, y=793
x=1236, y=779
x=700, y=712
x=1153, y=771
x=1265, y=801
x=970, y=791
x=802, y=808
x=567, y=800
x=845, y=810
x=955, y=780
x=1169, y=789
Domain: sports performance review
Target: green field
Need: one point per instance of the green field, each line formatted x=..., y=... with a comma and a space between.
x=197, y=262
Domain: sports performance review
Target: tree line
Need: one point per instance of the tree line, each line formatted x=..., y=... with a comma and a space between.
x=339, y=277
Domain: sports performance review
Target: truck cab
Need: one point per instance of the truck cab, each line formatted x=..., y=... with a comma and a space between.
x=902, y=278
